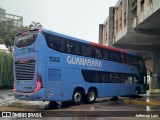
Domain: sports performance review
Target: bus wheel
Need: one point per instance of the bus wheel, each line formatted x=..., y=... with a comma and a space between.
x=137, y=93
x=91, y=96
x=77, y=97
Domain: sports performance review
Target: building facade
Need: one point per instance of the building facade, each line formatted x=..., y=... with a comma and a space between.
x=18, y=20
x=134, y=25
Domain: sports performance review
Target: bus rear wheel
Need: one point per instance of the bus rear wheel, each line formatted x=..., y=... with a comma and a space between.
x=91, y=96
x=77, y=97
x=137, y=92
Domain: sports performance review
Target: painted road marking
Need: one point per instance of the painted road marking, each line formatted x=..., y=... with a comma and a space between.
x=153, y=103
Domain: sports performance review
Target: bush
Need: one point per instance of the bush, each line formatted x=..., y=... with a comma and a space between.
x=6, y=70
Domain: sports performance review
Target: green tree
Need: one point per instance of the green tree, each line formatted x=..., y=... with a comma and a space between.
x=1, y=40
x=35, y=25
x=6, y=70
x=8, y=30
x=7, y=33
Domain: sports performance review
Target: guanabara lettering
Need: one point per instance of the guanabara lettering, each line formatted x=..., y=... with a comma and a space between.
x=84, y=61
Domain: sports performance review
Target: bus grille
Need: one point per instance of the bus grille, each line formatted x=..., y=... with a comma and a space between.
x=25, y=71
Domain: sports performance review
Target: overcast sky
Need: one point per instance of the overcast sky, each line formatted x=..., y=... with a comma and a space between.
x=77, y=18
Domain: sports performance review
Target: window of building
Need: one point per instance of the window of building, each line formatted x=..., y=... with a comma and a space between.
x=120, y=23
x=124, y=21
x=142, y=5
x=150, y=1
x=134, y=12
x=116, y=26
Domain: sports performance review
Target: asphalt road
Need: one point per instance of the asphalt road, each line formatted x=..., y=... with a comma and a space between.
x=146, y=107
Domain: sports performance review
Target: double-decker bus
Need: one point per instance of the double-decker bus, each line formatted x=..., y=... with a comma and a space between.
x=49, y=66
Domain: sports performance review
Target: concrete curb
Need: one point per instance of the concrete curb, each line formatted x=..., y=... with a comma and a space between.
x=136, y=102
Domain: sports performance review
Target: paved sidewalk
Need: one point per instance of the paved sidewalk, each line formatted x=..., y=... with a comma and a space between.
x=146, y=99
x=6, y=96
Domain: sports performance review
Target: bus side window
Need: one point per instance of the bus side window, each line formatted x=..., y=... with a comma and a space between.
x=111, y=77
x=98, y=53
x=96, y=77
x=136, y=79
x=54, y=74
x=55, y=42
x=72, y=47
x=111, y=55
x=104, y=77
x=117, y=56
x=124, y=58
x=129, y=59
x=119, y=77
x=86, y=50
x=87, y=75
x=128, y=78
x=104, y=54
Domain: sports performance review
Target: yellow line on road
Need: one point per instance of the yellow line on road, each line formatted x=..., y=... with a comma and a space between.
x=153, y=103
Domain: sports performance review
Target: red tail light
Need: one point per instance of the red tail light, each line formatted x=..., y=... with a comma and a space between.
x=14, y=86
x=39, y=83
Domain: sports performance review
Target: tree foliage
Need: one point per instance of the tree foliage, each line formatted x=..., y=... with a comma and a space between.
x=6, y=69
x=8, y=30
x=35, y=25
x=7, y=33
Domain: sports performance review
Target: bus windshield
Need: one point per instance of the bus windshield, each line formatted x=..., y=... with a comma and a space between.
x=25, y=39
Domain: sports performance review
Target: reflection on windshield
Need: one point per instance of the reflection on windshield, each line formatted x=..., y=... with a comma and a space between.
x=25, y=40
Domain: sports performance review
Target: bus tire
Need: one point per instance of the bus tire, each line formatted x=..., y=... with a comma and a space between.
x=91, y=96
x=77, y=97
x=137, y=92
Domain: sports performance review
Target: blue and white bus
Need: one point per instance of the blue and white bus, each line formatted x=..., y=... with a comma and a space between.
x=49, y=66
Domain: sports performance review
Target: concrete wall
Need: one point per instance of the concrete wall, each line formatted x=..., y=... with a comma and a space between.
x=156, y=61
x=134, y=25
x=18, y=20
x=106, y=30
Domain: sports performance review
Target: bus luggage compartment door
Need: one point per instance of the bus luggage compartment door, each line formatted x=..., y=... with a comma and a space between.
x=67, y=84
x=53, y=84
